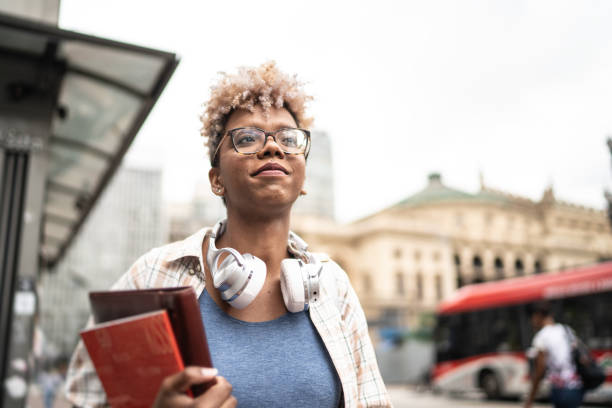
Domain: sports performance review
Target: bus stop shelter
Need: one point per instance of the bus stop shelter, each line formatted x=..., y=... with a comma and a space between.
x=70, y=106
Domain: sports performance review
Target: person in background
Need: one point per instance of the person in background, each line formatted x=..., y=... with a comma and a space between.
x=553, y=359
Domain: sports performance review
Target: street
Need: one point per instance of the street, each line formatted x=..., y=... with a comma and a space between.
x=405, y=397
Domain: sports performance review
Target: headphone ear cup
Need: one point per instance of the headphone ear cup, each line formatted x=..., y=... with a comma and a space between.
x=292, y=285
x=255, y=271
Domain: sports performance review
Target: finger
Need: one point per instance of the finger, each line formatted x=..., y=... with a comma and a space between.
x=190, y=375
x=173, y=400
x=215, y=395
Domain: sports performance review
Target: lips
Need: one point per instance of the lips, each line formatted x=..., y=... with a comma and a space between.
x=271, y=168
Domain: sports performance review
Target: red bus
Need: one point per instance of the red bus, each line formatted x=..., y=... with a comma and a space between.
x=483, y=332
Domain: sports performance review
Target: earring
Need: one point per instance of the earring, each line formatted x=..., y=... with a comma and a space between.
x=303, y=192
x=218, y=190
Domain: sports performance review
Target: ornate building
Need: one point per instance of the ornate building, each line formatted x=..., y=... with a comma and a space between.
x=405, y=259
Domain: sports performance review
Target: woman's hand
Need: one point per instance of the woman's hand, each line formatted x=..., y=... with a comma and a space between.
x=172, y=390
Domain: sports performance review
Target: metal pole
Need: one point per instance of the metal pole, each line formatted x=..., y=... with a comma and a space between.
x=25, y=125
x=14, y=384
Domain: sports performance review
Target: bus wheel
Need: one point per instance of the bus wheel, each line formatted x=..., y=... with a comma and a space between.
x=490, y=384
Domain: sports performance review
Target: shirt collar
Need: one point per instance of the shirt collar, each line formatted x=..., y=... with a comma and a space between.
x=192, y=246
x=189, y=247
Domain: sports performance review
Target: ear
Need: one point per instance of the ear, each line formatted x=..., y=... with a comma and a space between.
x=216, y=181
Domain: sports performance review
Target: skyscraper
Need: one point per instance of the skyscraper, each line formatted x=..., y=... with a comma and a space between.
x=127, y=222
x=319, y=186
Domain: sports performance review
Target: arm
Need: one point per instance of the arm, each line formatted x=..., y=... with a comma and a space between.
x=540, y=370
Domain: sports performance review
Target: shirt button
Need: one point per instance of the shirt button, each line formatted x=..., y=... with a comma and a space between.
x=191, y=271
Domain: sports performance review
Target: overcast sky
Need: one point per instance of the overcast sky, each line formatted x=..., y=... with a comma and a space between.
x=519, y=90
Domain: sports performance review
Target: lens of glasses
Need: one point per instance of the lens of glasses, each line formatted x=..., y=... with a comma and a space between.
x=252, y=140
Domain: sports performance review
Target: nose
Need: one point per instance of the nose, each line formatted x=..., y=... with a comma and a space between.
x=270, y=148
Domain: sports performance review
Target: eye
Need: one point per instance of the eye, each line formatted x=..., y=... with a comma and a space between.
x=290, y=138
x=246, y=137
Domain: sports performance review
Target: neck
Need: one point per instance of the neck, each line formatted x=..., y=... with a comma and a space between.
x=264, y=238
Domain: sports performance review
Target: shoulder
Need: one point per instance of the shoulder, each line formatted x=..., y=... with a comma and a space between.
x=545, y=336
x=332, y=273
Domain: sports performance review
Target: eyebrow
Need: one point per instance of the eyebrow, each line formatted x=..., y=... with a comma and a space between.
x=274, y=126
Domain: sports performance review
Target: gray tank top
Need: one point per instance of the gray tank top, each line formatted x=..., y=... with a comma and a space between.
x=278, y=363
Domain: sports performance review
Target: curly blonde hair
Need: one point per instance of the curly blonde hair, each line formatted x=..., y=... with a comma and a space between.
x=264, y=86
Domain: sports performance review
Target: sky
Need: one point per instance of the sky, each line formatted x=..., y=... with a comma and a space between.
x=520, y=91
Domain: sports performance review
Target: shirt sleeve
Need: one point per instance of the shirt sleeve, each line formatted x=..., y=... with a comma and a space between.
x=540, y=341
x=83, y=388
x=371, y=388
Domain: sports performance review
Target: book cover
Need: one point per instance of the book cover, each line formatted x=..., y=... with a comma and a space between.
x=183, y=310
x=132, y=356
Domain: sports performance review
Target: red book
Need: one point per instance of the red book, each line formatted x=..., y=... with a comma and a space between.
x=183, y=310
x=132, y=356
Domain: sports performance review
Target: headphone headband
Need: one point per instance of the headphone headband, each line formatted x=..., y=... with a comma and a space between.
x=295, y=244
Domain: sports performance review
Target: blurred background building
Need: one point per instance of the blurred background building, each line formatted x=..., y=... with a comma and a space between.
x=405, y=259
x=127, y=222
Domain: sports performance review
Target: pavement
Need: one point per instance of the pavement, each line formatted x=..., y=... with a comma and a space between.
x=414, y=397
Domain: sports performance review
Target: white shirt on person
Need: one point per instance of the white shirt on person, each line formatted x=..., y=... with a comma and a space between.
x=555, y=341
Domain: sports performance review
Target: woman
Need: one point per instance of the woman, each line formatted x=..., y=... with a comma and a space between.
x=320, y=355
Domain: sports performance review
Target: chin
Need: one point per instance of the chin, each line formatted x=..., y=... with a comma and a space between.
x=274, y=201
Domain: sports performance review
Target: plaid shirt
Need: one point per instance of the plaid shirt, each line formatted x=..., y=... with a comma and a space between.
x=337, y=315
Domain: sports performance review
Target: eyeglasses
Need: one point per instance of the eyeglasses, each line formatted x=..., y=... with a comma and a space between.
x=251, y=140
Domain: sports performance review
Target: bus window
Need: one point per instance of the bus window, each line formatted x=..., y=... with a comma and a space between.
x=590, y=317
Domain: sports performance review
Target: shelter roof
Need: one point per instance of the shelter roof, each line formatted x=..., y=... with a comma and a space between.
x=107, y=90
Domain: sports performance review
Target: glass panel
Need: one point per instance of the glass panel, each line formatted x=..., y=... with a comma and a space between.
x=75, y=168
x=56, y=232
x=61, y=204
x=98, y=115
x=22, y=41
x=136, y=70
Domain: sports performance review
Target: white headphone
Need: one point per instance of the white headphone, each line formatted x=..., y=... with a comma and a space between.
x=240, y=277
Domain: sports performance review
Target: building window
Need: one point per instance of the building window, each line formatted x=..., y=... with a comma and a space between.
x=457, y=260
x=397, y=254
x=438, y=287
x=419, y=286
x=399, y=283
x=519, y=268
x=417, y=255
x=537, y=267
x=478, y=273
x=436, y=256
x=499, y=268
